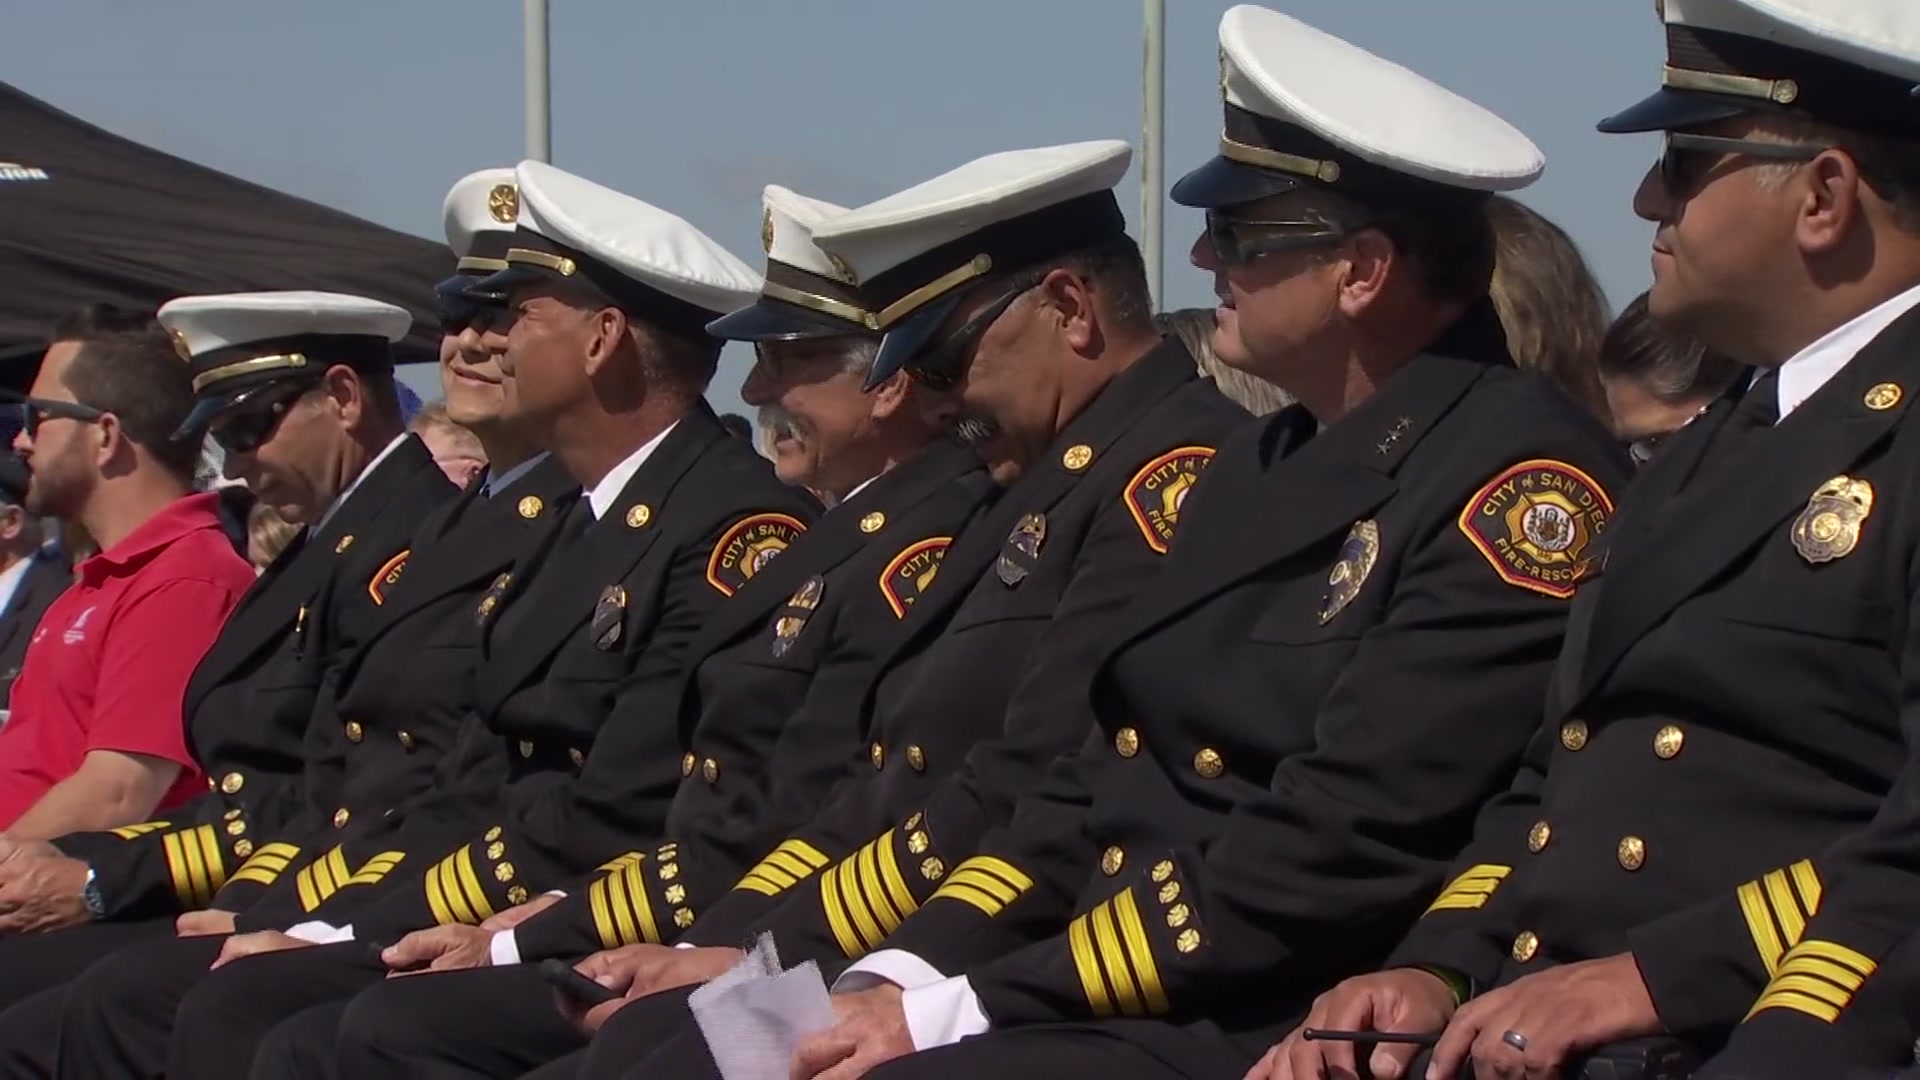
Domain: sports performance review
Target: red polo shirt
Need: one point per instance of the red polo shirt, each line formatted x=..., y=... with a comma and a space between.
x=108, y=665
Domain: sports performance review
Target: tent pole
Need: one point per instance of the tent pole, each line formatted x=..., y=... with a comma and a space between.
x=1153, y=147
x=539, y=104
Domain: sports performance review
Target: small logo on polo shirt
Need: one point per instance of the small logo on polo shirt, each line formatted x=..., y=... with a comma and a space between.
x=77, y=633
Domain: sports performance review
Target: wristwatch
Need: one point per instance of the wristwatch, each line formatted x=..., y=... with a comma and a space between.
x=90, y=896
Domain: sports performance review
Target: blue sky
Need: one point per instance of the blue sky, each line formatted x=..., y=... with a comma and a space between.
x=377, y=106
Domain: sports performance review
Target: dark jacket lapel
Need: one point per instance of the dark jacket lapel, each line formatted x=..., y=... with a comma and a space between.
x=275, y=601
x=500, y=529
x=1312, y=491
x=611, y=547
x=1692, y=538
x=1102, y=423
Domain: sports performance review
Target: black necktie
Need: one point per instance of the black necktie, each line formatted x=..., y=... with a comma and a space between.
x=1756, y=413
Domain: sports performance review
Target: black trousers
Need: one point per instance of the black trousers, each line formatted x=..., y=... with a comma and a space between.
x=301, y=1046
x=487, y=1022
x=31, y=963
x=652, y=1029
x=156, y=1009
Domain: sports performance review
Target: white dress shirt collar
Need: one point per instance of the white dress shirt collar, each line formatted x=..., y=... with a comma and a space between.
x=1814, y=366
x=602, y=495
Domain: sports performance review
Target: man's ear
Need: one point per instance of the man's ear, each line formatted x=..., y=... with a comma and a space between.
x=607, y=329
x=346, y=395
x=1371, y=261
x=112, y=441
x=1070, y=298
x=1832, y=202
x=13, y=519
x=891, y=396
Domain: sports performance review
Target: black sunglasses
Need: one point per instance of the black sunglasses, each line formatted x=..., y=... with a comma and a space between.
x=247, y=428
x=1686, y=159
x=942, y=366
x=1238, y=241
x=35, y=411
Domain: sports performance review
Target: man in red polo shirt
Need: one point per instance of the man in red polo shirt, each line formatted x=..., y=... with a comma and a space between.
x=95, y=739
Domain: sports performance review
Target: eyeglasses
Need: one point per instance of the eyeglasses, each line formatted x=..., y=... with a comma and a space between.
x=942, y=366
x=1238, y=241
x=482, y=313
x=35, y=411
x=1686, y=159
x=246, y=429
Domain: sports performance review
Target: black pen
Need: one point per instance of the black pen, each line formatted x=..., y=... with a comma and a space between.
x=1329, y=1035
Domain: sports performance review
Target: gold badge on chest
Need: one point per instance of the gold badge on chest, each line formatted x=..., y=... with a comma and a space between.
x=1022, y=551
x=1357, y=555
x=1829, y=528
x=609, y=613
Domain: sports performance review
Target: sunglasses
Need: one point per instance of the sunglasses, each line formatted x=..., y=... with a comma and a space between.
x=246, y=429
x=1238, y=241
x=482, y=313
x=1685, y=159
x=942, y=366
x=35, y=411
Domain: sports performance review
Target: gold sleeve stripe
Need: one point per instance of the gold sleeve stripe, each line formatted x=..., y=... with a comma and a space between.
x=784, y=867
x=128, y=832
x=1080, y=942
x=837, y=918
x=1777, y=907
x=1817, y=978
x=1806, y=881
x=216, y=862
x=603, y=915
x=1471, y=889
x=1753, y=905
x=1127, y=912
x=788, y=863
x=805, y=852
x=196, y=867
x=1118, y=973
x=177, y=867
x=849, y=883
x=621, y=863
x=755, y=883
x=621, y=902
x=987, y=883
x=1780, y=896
x=642, y=905
x=470, y=881
x=267, y=864
x=896, y=883
x=967, y=894
x=437, y=896
x=885, y=915
x=375, y=868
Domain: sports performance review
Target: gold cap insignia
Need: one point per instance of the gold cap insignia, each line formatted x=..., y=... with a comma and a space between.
x=1829, y=528
x=503, y=202
x=841, y=269
x=766, y=232
x=180, y=345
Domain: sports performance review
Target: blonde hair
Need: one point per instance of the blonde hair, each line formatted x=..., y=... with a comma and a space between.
x=268, y=534
x=1194, y=328
x=1550, y=304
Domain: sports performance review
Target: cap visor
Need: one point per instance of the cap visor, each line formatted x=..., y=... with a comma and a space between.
x=1226, y=182
x=1669, y=110
x=502, y=282
x=909, y=337
x=773, y=321
x=206, y=409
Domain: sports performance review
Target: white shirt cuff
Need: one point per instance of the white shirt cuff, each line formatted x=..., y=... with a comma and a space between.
x=939, y=1010
x=503, y=950
x=320, y=933
x=897, y=966
x=943, y=1013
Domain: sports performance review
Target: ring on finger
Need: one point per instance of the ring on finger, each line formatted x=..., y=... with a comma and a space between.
x=1514, y=1039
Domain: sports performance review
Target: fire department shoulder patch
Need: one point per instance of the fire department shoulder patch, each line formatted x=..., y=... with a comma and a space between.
x=1535, y=522
x=385, y=578
x=747, y=547
x=1155, y=494
x=909, y=574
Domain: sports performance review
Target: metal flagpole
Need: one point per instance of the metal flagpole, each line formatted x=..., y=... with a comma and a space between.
x=539, y=101
x=1152, y=147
